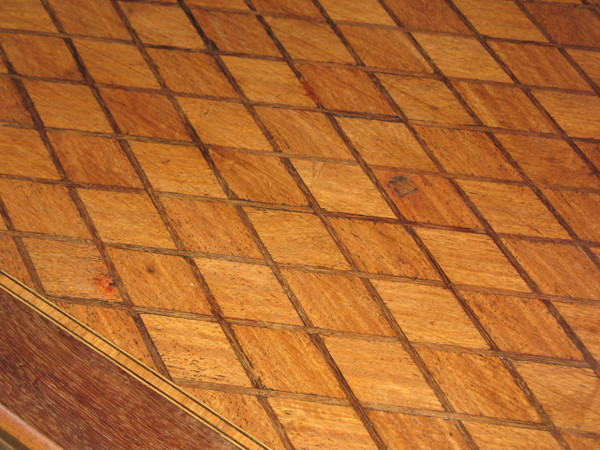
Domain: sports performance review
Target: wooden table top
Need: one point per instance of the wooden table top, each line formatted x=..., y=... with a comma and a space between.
x=337, y=223
x=62, y=386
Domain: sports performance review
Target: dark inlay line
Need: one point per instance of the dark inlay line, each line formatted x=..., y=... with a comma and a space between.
x=80, y=399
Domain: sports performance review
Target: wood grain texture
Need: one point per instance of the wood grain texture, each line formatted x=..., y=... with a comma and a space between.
x=258, y=178
x=268, y=81
x=114, y=63
x=248, y=291
x=440, y=320
x=352, y=89
x=528, y=215
x=549, y=161
x=89, y=276
x=503, y=107
x=461, y=57
x=573, y=26
x=468, y=153
x=312, y=41
x=227, y=32
x=304, y=133
x=560, y=106
x=314, y=426
x=162, y=25
x=342, y=188
x=29, y=16
x=427, y=199
x=521, y=325
x=13, y=109
x=288, y=362
x=210, y=227
x=586, y=321
x=194, y=73
x=378, y=142
x=559, y=260
x=117, y=326
x=342, y=224
x=67, y=106
x=156, y=118
x=383, y=248
x=459, y=373
x=540, y=66
x=89, y=18
x=23, y=153
x=500, y=19
x=425, y=99
x=143, y=219
x=570, y=397
x=53, y=60
x=15, y=433
x=383, y=373
x=405, y=431
x=171, y=168
x=178, y=339
x=28, y=202
x=49, y=375
x=337, y=303
x=472, y=259
x=296, y=238
x=385, y=48
x=588, y=61
x=225, y=124
x=513, y=438
x=94, y=160
x=437, y=16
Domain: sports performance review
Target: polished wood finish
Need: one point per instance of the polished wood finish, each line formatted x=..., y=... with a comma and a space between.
x=17, y=434
x=339, y=223
x=58, y=389
x=63, y=384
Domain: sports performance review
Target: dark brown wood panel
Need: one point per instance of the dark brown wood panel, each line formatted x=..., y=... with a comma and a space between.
x=340, y=223
x=79, y=398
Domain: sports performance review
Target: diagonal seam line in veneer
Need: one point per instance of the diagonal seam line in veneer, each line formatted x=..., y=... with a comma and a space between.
x=214, y=306
x=308, y=19
x=135, y=368
x=358, y=407
x=38, y=125
x=593, y=258
x=333, y=112
x=471, y=314
x=288, y=63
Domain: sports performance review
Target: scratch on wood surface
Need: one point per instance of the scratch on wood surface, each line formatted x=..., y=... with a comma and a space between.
x=106, y=284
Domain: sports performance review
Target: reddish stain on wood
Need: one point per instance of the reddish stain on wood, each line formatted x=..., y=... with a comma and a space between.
x=106, y=284
x=310, y=93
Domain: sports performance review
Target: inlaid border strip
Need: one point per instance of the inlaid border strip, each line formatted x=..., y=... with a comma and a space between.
x=128, y=363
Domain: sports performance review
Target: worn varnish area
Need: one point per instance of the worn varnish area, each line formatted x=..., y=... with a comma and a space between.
x=341, y=224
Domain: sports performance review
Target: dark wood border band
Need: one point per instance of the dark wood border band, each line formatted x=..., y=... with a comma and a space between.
x=17, y=434
x=41, y=328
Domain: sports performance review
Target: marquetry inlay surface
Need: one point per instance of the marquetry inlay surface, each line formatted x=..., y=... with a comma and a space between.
x=338, y=223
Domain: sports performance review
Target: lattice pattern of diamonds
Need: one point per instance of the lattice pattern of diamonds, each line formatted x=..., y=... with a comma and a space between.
x=340, y=223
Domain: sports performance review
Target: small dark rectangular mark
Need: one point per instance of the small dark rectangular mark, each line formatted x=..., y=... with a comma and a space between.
x=402, y=186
